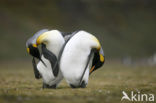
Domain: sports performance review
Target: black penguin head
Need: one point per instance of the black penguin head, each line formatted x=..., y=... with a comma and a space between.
x=31, y=44
x=98, y=60
x=34, y=51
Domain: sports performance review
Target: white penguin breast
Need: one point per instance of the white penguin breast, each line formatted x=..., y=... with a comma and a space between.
x=54, y=44
x=73, y=62
x=46, y=72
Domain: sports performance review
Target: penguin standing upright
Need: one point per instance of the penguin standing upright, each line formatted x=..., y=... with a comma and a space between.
x=81, y=55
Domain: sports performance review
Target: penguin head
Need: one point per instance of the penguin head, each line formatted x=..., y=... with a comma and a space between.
x=98, y=60
x=31, y=45
x=98, y=51
x=33, y=51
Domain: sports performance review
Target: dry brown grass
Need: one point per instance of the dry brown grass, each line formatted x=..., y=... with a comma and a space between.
x=17, y=84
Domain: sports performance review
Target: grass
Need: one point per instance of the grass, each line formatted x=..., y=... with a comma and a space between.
x=17, y=84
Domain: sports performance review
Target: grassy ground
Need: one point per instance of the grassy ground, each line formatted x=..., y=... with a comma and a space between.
x=18, y=85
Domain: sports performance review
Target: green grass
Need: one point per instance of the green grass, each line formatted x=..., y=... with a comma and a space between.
x=18, y=85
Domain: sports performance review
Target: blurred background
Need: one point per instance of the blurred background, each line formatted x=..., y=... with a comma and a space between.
x=126, y=28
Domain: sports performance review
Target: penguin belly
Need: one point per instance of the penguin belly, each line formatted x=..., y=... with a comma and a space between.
x=47, y=74
x=73, y=63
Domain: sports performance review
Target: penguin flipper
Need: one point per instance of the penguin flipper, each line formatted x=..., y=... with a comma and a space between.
x=52, y=58
x=36, y=72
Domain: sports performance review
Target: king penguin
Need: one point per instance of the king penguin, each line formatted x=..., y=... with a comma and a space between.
x=82, y=54
x=51, y=43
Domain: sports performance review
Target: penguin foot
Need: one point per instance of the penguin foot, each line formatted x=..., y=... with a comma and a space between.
x=83, y=85
x=72, y=86
x=48, y=86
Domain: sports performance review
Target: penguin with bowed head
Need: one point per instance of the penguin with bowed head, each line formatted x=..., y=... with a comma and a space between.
x=51, y=43
x=81, y=55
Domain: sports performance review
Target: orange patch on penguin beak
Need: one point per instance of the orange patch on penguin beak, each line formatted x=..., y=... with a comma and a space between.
x=92, y=69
